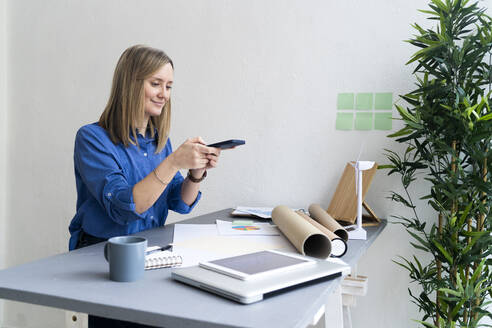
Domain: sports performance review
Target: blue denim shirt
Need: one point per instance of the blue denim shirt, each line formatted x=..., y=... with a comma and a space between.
x=105, y=174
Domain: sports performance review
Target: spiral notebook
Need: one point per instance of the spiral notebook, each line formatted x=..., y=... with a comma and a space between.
x=162, y=259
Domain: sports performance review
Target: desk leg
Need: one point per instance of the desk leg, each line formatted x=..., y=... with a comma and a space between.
x=334, y=310
x=347, y=317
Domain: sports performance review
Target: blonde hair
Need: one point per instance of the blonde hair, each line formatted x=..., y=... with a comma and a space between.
x=125, y=107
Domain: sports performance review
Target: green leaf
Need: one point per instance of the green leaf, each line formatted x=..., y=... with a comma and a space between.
x=470, y=245
x=385, y=166
x=423, y=51
x=441, y=5
x=419, y=247
x=486, y=117
x=477, y=289
x=450, y=291
x=405, y=114
x=457, y=307
x=443, y=252
x=484, y=290
x=477, y=272
x=419, y=239
x=474, y=233
x=452, y=222
x=405, y=131
x=459, y=284
x=471, y=110
x=428, y=12
x=426, y=324
x=407, y=267
x=464, y=215
x=418, y=263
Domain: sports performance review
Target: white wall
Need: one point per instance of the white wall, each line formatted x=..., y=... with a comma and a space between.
x=265, y=71
x=3, y=139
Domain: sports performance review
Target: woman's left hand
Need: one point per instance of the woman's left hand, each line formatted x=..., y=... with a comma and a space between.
x=213, y=160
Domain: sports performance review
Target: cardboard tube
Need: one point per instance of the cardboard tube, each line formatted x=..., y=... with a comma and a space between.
x=325, y=219
x=338, y=245
x=304, y=236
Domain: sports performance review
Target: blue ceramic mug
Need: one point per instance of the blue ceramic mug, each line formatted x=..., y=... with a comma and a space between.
x=126, y=257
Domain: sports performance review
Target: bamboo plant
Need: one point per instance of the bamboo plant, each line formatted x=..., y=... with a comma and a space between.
x=447, y=137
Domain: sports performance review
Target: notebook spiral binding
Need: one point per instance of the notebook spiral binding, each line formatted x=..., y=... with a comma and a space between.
x=166, y=261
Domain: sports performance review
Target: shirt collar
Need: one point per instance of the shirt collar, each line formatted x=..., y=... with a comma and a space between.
x=147, y=138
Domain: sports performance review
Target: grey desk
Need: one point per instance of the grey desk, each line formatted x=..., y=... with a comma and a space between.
x=78, y=281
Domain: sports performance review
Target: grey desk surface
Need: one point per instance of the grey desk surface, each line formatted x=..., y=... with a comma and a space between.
x=79, y=281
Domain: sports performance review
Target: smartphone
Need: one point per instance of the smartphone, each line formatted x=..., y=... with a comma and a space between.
x=227, y=144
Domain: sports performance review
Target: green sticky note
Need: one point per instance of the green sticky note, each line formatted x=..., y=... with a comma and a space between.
x=383, y=101
x=345, y=121
x=345, y=101
x=242, y=222
x=363, y=101
x=363, y=121
x=383, y=121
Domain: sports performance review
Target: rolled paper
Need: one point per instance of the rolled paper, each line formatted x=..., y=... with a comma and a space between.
x=338, y=245
x=306, y=238
x=325, y=219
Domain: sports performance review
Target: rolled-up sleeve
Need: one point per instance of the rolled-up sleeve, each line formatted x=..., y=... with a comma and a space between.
x=174, y=200
x=100, y=170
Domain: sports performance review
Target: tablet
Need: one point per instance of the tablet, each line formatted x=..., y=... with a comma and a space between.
x=257, y=265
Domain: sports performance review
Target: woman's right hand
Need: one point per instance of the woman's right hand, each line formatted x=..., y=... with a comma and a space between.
x=193, y=154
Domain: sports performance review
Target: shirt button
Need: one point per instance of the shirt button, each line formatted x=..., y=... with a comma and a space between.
x=145, y=154
x=109, y=194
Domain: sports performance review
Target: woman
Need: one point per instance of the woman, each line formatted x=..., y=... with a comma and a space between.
x=126, y=173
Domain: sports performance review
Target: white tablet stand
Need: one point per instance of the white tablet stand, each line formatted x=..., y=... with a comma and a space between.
x=359, y=232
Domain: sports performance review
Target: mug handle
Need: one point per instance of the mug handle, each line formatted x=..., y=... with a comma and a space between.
x=106, y=252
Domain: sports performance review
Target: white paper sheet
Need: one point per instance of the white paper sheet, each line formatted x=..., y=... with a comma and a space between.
x=227, y=228
x=202, y=242
x=262, y=212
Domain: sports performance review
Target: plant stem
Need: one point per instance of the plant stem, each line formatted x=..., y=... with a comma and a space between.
x=411, y=203
x=484, y=174
x=439, y=272
x=467, y=272
x=452, y=271
x=481, y=221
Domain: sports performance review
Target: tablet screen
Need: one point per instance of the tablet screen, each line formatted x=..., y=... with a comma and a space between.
x=258, y=262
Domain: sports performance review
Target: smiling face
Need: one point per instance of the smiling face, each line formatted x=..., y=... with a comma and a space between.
x=157, y=89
